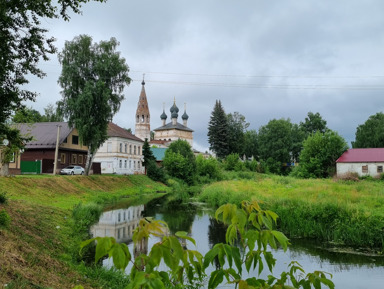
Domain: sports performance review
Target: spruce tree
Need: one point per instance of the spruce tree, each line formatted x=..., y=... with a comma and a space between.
x=218, y=131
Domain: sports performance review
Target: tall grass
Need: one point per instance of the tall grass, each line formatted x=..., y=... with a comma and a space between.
x=350, y=213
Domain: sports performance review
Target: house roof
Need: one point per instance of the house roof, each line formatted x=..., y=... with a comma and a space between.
x=158, y=153
x=43, y=134
x=177, y=126
x=116, y=131
x=362, y=155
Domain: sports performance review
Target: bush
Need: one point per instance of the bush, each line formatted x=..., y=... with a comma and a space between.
x=209, y=168
x=231, y=161
x=5, y=219
x=155, y=173
x=3, y=198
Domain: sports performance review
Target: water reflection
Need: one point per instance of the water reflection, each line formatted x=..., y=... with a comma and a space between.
x=349, y=270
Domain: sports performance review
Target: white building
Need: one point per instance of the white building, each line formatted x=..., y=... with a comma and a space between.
x=121, y=153
x=363, y=161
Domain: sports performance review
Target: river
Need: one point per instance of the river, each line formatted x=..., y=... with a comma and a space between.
x=352, y=271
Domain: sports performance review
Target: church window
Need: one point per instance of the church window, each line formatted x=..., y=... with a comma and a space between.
x=137, y=118
x=142, y=118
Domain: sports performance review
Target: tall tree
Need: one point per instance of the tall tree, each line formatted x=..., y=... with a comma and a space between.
x=52, y=114
x=319, y=155
x=23, y=44
x=371, y=133
x=26, y=115
x=251, y=148
x=180, y=162
x=313, y=123
x=237, y=127
x=93, y=78
x=275, y=144
x=218, y=131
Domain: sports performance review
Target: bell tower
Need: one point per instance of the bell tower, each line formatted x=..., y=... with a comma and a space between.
x=142, y=127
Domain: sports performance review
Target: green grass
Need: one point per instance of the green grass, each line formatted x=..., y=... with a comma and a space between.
x=350, y=213
x=49, y=217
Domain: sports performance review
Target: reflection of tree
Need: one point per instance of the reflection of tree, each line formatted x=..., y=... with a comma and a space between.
x=216, y=232
x=177, y=215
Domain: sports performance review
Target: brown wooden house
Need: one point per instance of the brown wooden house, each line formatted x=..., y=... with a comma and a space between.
x=40, y=151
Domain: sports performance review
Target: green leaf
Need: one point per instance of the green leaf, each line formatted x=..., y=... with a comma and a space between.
x=118, y=255
x=86, y=243
x=184, y=235
x=228, y=253
x=210, y=256
x=237, y=259
x=103, y=247
x=215, y=279
x=282, y=239
x=156, y=254
x=270, y=260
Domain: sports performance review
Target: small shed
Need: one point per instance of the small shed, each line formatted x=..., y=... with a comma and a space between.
x=363, y=161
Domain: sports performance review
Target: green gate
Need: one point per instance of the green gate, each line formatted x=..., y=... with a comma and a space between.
x=30, y=167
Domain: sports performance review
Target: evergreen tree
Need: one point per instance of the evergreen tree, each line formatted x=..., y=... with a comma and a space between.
x=147, y=154
x=218, y=131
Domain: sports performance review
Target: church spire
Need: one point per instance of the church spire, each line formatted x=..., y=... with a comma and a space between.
x=142, y=127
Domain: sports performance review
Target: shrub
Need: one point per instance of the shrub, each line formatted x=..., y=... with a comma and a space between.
x=208, y=168
x=5, y=219
x=231, y=161
x=3, y=198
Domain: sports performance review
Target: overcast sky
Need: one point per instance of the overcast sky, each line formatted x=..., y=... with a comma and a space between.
x=263, y=59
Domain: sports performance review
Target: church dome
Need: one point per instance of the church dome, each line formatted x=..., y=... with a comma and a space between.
x=185, y=116
x=163, y=115
x=174, y=108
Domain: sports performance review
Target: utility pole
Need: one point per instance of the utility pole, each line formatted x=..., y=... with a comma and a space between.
x=57, y=149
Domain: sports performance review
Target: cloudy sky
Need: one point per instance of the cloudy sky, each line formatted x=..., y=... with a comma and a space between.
x=264, y=59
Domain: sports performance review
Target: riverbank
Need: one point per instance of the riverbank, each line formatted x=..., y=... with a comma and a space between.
x=343, y=212
x=38, y=246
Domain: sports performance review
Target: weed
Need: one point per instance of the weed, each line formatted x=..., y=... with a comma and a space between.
x=5, y=219
x=3, y=198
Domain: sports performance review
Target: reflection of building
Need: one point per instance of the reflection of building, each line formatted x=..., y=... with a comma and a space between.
x=119, y=224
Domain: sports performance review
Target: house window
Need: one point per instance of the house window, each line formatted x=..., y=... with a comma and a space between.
x=138, y=150
x=130, y=164
x=121, y=148
x=65, y=140
x=120, y=164
x=75, y=139
x=62, y=158
x=138, y=165
x=125, y=148
x=379, y=169
x=130, y=149
x=13, y=158
x=134, y=165
x=80, y=159
x=74, y=159
x=364, y=169
x=125, y=164
x=109, y=147
x=134, y=150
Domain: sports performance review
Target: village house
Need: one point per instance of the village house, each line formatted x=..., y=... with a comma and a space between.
x=363, y=161
x=121, y=153
x=39, y=153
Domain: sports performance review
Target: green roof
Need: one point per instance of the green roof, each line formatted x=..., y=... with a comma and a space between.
x=158, y=153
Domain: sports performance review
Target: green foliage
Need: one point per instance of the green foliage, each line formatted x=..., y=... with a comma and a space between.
x=5, y=219
x=313, y=123
x=93, y=78
x=27, y=44
x=231, y=162
x=251, y=148
x=147, y=153
x=250, y=227
x=371, y=133
x=155, y=173
x=319, y=155
x=179, y=161
x=26, y=115
x=275, y=144
x=237, y=127
x=3, y=198
x=208, y=168
x=218, y=131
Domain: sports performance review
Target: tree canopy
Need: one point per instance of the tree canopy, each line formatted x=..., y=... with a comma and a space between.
x=313, y=123
x=93, y=78
x=319, y=154
x=179, y=161
x=275, y=144
x=371, y=133
x=237, y=127
x=218, y=131
x=24, y=44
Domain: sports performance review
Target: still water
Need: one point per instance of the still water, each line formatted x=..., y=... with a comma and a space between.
x=350, y=271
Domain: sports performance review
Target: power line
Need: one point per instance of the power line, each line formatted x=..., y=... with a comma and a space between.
x=271, y=86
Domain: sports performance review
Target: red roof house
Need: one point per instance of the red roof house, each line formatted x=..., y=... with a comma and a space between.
x=363, y=161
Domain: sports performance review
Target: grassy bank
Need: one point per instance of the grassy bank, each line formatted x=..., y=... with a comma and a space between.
x=37, y=249
x=350, y=213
